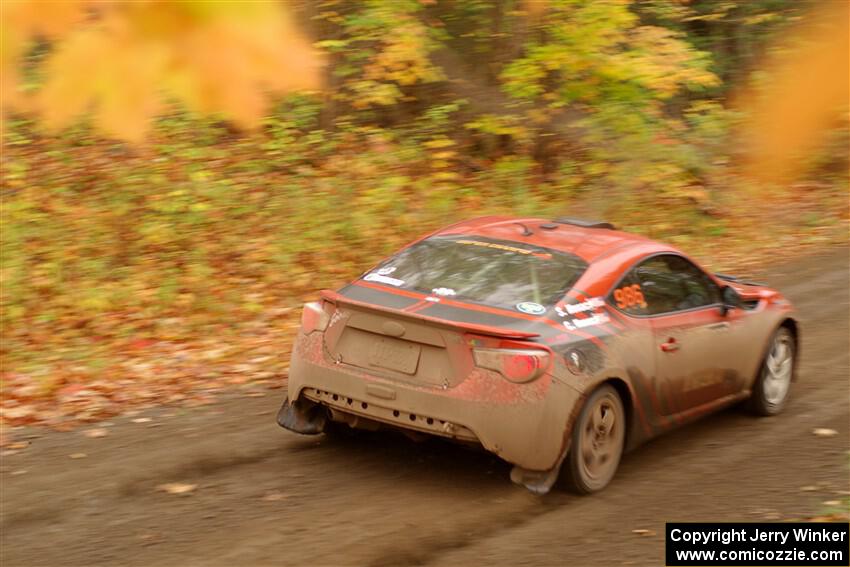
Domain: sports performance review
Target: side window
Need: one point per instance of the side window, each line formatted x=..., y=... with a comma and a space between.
x=664, y=284
x=699, y=287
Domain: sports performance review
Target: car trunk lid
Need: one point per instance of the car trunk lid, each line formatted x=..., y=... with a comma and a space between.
x=401, y=345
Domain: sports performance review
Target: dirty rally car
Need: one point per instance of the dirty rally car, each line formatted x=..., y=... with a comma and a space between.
x=552, y=344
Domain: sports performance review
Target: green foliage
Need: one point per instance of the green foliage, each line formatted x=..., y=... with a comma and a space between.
x=385, y=48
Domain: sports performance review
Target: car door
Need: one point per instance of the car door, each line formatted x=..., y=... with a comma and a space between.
x=690, y=330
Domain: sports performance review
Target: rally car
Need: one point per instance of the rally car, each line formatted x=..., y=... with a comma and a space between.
x=554, y=344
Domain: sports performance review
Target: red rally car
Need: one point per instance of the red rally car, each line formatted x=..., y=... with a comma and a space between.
x=553, y=344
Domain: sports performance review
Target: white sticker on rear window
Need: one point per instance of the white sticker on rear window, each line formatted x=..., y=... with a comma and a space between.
x=443, y=291
x=531, y=308
x=386, y=271
x=384, y=279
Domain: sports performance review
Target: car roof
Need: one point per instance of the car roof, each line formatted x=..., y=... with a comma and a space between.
x=589, y=244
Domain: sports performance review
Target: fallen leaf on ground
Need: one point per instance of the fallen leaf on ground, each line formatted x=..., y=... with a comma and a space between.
x=643, y=533
x=275, y=496
x=141, y=420
x=824, y=432
x=808, y=488
x=842, y=517
x=18, y=445
x=16, y=473
x=78, y=455
x=99, y=432
x=18, y=412
x=149, y=538
x=177, y=487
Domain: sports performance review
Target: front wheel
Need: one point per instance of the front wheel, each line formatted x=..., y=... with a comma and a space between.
x=770, y=391
x=597, y=442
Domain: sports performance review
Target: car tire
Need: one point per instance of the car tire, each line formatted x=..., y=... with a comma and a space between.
x=598, y=438
x=770, y=390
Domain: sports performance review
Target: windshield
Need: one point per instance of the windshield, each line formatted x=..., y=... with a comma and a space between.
x=500, y=273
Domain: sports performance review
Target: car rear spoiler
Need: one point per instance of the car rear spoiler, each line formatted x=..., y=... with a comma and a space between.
x=736, y=279
x=584, y=223
x=337, y=299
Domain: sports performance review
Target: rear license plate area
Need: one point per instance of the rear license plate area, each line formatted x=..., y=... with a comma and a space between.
x=392, y=354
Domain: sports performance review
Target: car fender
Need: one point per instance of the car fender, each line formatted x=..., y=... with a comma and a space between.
x=638, y=427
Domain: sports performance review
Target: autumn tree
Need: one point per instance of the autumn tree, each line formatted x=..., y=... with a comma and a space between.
x=121, y=62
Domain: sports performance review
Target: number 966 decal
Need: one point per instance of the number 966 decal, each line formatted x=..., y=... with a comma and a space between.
x=629, y=296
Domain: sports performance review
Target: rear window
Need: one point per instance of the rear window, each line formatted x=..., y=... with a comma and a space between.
x=500, y=273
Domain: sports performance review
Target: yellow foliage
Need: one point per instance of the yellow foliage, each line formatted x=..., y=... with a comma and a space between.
x=665, y=62
x=20, y=21
x=127, y=58
x=445, y=155
x=805, y=94
x=404, y=58
x=438, y=143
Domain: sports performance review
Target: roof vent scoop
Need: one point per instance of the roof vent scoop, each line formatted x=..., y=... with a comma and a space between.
x=584, y=223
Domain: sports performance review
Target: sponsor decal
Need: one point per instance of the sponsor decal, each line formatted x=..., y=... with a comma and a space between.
x=531, y=308
x=593, y=304
x=589, y=305
x=506, y=248
x=433, y=299
x=384, y=279
x=443, y=291
x=629, y=296
x=386, y=270
x=593, y=320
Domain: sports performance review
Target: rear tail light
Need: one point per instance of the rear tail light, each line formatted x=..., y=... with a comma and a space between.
x=314, y=317
x=517, y=365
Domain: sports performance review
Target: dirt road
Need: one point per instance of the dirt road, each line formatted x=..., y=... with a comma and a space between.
x=265, y=496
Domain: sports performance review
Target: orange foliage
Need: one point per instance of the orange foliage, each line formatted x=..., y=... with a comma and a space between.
x=122, y=61
x=805, y=95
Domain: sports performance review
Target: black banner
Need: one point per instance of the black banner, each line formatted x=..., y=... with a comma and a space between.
x=758, y=544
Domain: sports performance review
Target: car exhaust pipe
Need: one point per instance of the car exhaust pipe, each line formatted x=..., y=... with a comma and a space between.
x=302, y=416
x=353, y=421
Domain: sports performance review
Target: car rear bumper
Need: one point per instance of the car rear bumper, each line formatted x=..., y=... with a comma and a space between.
x=525, y=424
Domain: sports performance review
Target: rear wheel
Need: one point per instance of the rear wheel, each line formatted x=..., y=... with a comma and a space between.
x=597, y=442
x=770, y=391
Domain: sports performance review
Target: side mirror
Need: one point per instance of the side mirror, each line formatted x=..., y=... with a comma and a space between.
x=731, y=299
